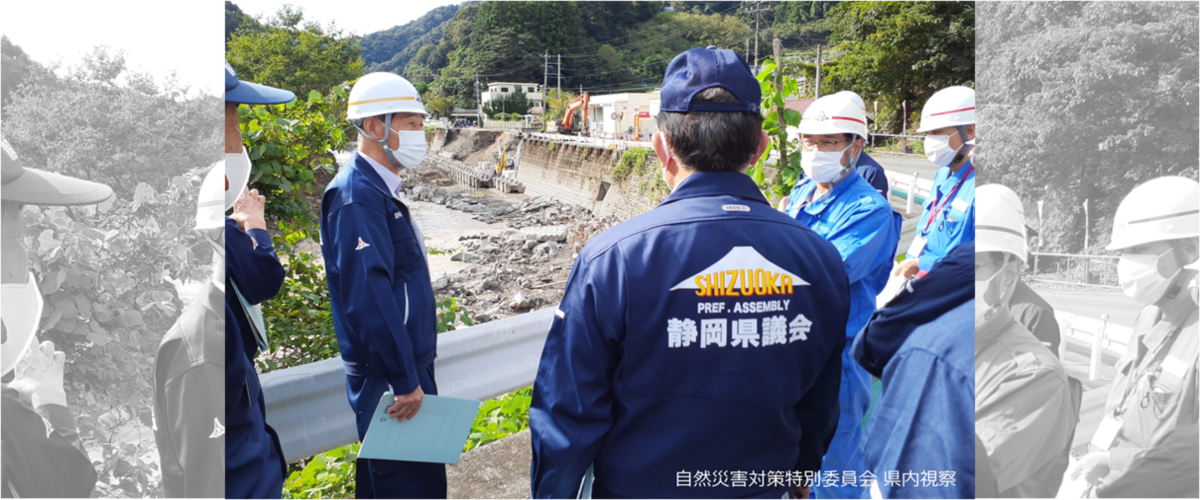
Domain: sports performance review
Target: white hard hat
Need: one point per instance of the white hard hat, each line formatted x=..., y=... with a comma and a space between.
x=210, y=205
x=1162, y=209
x=999, y=221
x=854, y=97
x=834, y=114
x=383, y=93
x=949, y=107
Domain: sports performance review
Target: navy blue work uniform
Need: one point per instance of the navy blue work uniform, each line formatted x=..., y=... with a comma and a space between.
x=921, y=431
x=254, y=464
x=251, y=262
x=189, y=415
x=948, y=216
x=865, y=230
x=695, y=353
x=872, y=172
x=949, y=284
x=43, y=455
x=383, y=312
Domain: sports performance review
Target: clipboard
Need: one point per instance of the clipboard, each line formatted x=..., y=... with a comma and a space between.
x=436, y=435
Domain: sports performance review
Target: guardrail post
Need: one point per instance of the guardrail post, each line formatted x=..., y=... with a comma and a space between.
x=1097, y=345
x=912, y=193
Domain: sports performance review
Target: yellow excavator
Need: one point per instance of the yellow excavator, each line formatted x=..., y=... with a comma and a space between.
x=568, y=125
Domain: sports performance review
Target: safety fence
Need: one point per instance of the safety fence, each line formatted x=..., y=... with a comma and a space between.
x=307, y=405
x=590, y=141
x=911, y=188
x=1096, y=270
x=1102, y=341
x=907, y=145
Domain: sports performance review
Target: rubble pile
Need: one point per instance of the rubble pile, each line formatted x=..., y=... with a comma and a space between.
x=516, y=270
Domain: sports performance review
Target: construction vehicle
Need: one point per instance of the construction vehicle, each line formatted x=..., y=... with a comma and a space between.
x=569, y=125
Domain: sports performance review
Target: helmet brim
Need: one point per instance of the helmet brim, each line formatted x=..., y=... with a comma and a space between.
x=254, y=93
x=38, y=187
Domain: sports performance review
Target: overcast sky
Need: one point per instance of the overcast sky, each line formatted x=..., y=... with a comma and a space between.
x=360, y=17
x=157, y=37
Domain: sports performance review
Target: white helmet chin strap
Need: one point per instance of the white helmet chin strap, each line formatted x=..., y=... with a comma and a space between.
x=387, y=126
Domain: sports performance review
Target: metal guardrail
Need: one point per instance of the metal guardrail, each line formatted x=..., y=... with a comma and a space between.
x=1099, y=339
x=307, y=405
x=591, y=141
x=912, y=188
x=896, y=144
x=1094, y=270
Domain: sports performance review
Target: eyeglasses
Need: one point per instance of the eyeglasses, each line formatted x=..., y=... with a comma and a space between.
x=825, y=145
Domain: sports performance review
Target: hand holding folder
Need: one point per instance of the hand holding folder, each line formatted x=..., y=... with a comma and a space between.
x=437, y=434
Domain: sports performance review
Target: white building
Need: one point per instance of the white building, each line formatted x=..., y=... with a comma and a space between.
x=501, y=90
x=615, y=116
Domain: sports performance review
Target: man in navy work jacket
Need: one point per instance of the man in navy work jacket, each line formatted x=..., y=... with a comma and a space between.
x=43, y=454
x=696, y=352
x=189, y=414
x=254, y=463
x=378, y=276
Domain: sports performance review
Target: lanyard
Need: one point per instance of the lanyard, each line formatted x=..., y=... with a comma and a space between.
x=938, y=208
x=1152, y=360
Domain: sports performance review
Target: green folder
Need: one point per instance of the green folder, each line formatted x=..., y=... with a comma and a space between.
x=437, y=434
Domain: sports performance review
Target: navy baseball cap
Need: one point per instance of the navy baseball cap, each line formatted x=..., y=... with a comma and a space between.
x=699, y=69
x=252, y=93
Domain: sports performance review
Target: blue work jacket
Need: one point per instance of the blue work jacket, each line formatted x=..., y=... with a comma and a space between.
x=379, y=287
x=693, y=343
x=921, y=429
x=872, y=172
x=865, y=229
x=250, y=261
x=955, y=222
x=254, y=464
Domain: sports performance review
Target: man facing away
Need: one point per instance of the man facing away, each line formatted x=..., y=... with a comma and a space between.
x=701, y=341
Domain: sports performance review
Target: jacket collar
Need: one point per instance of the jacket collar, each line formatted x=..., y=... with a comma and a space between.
x=364, y=168
x=701, y=184
x=212, y=298
x=991, y=327
x=818, y=204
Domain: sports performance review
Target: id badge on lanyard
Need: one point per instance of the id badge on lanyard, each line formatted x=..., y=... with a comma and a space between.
x=918, y=244
x=1106, y=434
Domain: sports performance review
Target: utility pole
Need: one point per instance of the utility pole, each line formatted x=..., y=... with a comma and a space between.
x=818, y=92
x=545, y=71
x=478, y=97
x=560, y=72
x=756, y=16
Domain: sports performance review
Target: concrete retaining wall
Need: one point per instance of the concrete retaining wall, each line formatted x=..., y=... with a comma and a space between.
x=571, y=173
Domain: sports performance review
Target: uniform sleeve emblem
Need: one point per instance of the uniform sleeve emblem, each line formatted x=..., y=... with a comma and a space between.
x=362, y=244
x=218, y=429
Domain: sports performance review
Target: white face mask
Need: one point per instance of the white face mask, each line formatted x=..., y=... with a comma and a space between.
x=986, y=297
x=823, y=167
x=937, y=149
x=411, y=150
x=22, y=306
x=1140, y=279
x=237, y=171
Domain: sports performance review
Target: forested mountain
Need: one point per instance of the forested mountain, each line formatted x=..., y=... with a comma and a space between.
x=387, y=46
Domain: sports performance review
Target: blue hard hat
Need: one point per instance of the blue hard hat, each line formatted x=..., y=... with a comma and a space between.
x=252, y=93
x=698, y=69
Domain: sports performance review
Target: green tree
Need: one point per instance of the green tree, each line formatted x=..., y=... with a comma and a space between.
x=105, y=123
x=898, y=52
x=19, y=70
x=513, y=103
x=555, y=24
x=440, y=106
x=236, y=20
x=1084, y=101
x=296, y=57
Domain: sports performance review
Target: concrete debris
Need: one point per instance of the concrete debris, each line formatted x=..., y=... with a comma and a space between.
x=520, y=303
x=530, y=262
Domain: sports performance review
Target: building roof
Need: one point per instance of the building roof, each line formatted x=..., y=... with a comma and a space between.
x=495, y=84
x=798, y=105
